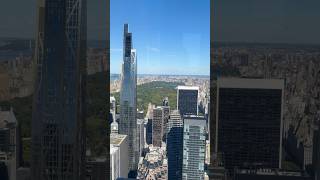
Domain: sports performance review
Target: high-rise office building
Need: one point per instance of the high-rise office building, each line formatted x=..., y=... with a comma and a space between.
x=149, y=132
x=97, y=168
x=249, y=122
x=166, y=113
x=154, y=165
x=157, y=126
x=58, y=119
x=119, y=157
x=187, y=100
x=175, y=145
x=194, y=147
x=140, y=133
x=128, y=100
x=316, y=154
x=9, y=144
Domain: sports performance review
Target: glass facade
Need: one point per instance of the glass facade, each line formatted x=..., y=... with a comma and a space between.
x=249, y=121
x=174, y=146
x=128, y=101
x=58, y=139
x=187, y=101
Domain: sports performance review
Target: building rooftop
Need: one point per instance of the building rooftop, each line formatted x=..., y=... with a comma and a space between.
x=117, y=139
x=194, y=120
x=188, y=88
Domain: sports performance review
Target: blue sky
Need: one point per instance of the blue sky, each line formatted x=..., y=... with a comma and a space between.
x=171, y=36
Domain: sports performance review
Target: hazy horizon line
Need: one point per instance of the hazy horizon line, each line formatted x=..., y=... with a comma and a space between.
x=224, y=41
x=166, y=74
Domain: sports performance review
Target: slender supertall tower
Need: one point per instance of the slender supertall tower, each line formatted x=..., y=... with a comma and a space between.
x=128, y=100
x=58, y=119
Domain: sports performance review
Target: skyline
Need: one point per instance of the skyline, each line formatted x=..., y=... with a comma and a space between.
x=165, y=45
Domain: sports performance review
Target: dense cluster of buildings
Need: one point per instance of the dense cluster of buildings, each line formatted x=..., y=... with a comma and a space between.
x=170, y=142
x=265, y=118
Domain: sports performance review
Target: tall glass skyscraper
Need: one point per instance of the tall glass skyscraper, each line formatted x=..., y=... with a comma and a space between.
x=174, y=146
x=128, y=100
x=194, y=147
x=58, y=120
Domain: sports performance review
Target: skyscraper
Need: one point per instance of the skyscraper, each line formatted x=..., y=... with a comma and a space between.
x=187, y=100
x=141, y=135
x=58, y=120
x=128, y=100
x=157, y=126
x=194, y=147
x=249, y=122
x=119, y=162
x=9, y=143
x=149, y=132
x=166, y=113
x=316, y=155
x=175, y=146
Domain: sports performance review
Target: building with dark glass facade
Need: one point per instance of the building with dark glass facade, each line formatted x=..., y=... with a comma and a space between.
x=58, y=120
x=187, y=100
x=149, y=132
x=175, y=145
x=249, y=122
x=316, y=154
x=128, y=99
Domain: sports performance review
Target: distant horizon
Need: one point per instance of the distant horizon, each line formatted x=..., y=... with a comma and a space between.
x=165, y=45
x=231, y=42
x=165, y=74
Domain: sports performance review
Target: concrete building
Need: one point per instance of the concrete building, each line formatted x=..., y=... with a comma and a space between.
x=9, y=144
x=157, y=126
x=154, y=165
x=267, y=174
x=187, y=100
x=166, y=113
x=194, y=147
x=249, y=122
x=119, y=157
x=141, y=135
